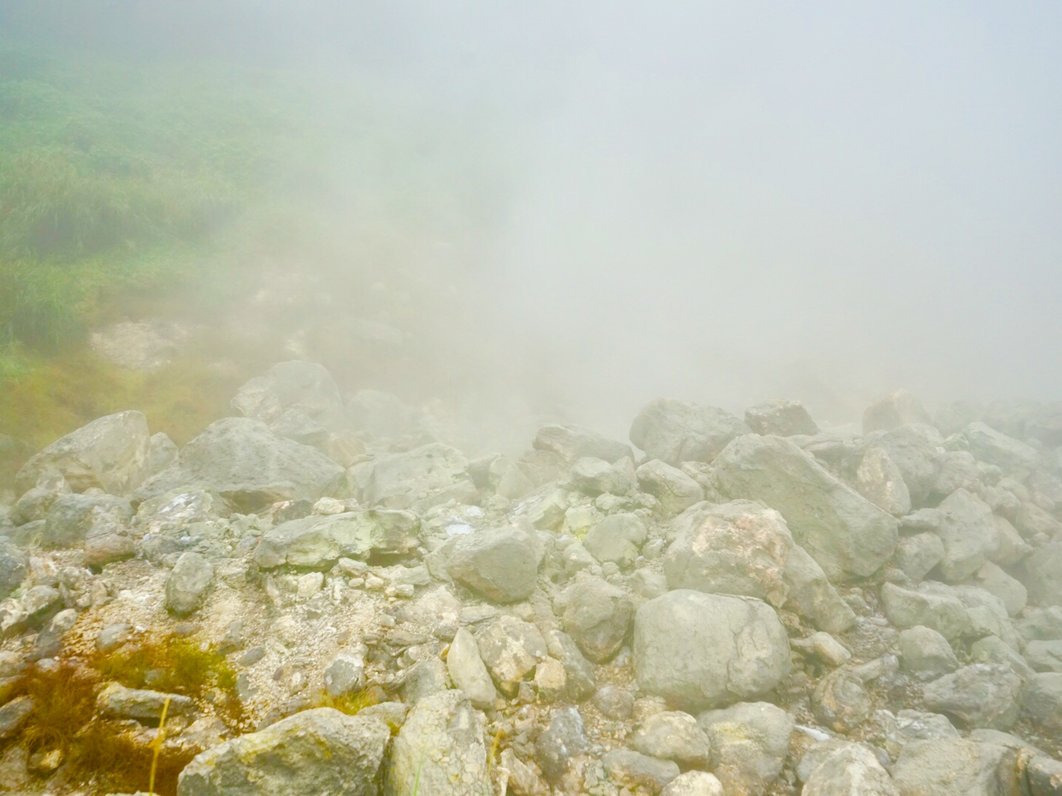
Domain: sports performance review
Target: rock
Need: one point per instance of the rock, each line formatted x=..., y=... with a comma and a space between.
x=980, y=695
x=617, y=538
x=968, y=531
x=992, y=649
x=425, y=678
x=315, y=751
x=187, y=583
x=1010, y=591
x=703, y=650
x=596, y=476
x=958, y=470
x=317, y=542
x=289, y=387
x=1042, y=701
x=823, y=647
x=74, y=518
x=954, y=767
x=597, y=615
x=734, y=548
x=694, y=783
x=840, y=701
x=629, y=769
x=1041, y=624
x=929, y=605
x=674, y=490
x=880, y=481
x=574, y=442
x=501, y=564
x=12, y=567
x=991, y=446
x=1043, y=775
x=110, y=453
x=563, y=740
x=898, y=408
x=917, y=555
x=14, y=715
x=401, y=480
x=676, y=431
x=511, y=649
x=1044, y=656
x=845, y=533
x=117, y=701
x=673, y=735
x=750, y=742
x=850, y=770
x=913, y=725
x=925, y=653
x=813, y=596
x=579, y=679
x=780, y=418
x=917, y=452
x=113, y=636
x=250, y=466
x=345, y=673
x=1043, y=574
x=468, y=671
x=614, y=702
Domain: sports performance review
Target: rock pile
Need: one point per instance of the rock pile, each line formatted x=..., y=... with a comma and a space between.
x=738, y=606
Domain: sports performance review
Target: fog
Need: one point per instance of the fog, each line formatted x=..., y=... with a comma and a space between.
x=722, y=202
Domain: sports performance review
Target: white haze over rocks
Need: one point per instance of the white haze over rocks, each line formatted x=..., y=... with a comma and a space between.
x=722, y=202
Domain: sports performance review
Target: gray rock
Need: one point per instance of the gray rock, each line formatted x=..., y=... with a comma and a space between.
x=1043, y=775
x=295, y=386
x=564, y=739
x=968, y=531
x=694, y=783
x=750, y=743
x=845, y=533
x=674, y=490
x=250, y=466
x=500, y=564
x=781, y=418
x=673, y=735
x=13, y=716
x=734, y=548
x=73, y=518
x=932, y=605
x=840, y=701
x=703, y=650
x=1043, y=574
x=980, y=695
x=954, y=767
x=851, y=770
x=1044, y=656
x=597, y=615
x=1042, y=701
x=468, y=671
x=994, y=447
x=917, y=452
x=162, y=452
x=12, y=567
x=345, y=673
x=316, y=751
x=880, y=481
x=579, y=679
x=1039, y=624
x=596, y=476
x=439, y=749
x=677, y=431
x=617, y=538
x=318, y=542
x=925, y=653
x=1010, y=591
x=187, y=583
x=110, y=453
x=913, y=725
x=574, y=442
x=511, y=649
x=117, y=701
x=113, y=636
x=813, y=596
x=898, y=408
x=401, y=480
x=632, y=770
x=992, y=649
x=425, y=678
x=917, y=555
x=614, y=702
x=958, y=470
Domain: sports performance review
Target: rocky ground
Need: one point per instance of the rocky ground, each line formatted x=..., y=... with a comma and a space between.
x=319, y=595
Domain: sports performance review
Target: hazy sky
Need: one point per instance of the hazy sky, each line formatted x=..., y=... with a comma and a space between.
x=724, y=201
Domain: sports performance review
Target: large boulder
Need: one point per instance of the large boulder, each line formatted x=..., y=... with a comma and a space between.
x=318, y=542
x=850, y=770
x=245, y=462
x=575, y=442
x=597, y=615
x=955, y=767
x=1043, y=574
x=994, y=447
x=110, y=453
x=439, y=749
x=782, y=418
x=843, y=531
x=674, y=490
x=705, y=650
x=749, y=742
x=400, y=480
x=968, y=530
x=677, y=431
x=316, y=751
x=500, y=564
x=980, y=695
x=289, y=387
x=739, y=547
